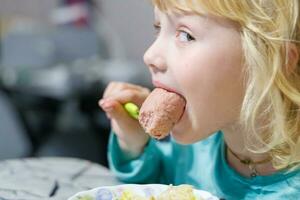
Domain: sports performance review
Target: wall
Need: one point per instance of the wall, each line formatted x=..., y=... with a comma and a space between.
x=133, y=22
x=130, y=20
x=38, y=9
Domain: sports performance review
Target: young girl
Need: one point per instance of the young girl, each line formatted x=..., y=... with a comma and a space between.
x=236, y=63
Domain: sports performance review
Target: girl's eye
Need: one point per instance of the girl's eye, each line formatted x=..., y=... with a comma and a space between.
x=157, y=29
x=184, y=36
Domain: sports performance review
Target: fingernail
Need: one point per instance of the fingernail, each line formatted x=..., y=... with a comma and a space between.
x=101, y=102
x=107, y=106
x=109, y=109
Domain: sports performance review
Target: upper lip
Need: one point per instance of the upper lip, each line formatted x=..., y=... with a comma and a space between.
x=163, y=86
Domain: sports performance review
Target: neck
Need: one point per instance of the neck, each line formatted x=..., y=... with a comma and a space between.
x=234, y=139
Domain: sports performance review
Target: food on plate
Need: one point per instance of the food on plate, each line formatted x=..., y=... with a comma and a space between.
x=181, y=192
x=85, y=197
x=160, y=112
x=130, y=195
x=143, y=192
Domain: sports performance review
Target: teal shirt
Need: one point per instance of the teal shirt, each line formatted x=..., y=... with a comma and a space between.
x=202, y=165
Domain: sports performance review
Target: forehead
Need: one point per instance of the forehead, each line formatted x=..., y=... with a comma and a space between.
x=174, y=17
x=175, y=13
x=179, y=6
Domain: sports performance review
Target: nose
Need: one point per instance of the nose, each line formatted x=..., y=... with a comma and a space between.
x=154, y=57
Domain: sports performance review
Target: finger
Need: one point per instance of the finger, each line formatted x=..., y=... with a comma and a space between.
x=116, y=87
x=108, y=90
x=116, y=111
x=125, y=96
x=128, y=85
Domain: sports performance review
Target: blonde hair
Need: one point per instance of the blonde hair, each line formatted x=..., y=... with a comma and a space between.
x=267, y=28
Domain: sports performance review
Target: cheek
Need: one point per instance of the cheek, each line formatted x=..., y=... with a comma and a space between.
x=199, y=74
x=212, y=83
x=211, y=68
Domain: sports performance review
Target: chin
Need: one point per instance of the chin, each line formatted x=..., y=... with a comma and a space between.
x=184, y=133
x=182, y=138
x=189, y=136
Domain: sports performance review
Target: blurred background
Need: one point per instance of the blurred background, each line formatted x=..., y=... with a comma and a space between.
x=56, y=57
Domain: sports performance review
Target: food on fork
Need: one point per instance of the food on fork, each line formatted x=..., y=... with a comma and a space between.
x=160, y=112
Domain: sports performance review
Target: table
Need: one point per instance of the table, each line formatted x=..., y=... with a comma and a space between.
x=50, y=178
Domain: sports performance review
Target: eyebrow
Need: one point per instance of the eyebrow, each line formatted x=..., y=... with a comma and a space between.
x=174, y=18
x=201, y=14
x=181, y=18
x=182, y=14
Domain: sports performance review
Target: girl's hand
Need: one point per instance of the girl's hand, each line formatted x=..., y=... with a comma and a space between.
x=131, y=136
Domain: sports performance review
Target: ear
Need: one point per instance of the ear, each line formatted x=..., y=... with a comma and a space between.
x=292, y=57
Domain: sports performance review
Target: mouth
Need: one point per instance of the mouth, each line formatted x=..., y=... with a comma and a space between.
x=158, y=84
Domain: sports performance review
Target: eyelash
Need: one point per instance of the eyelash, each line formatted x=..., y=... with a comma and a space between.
x=157, y=29
x=190, y=38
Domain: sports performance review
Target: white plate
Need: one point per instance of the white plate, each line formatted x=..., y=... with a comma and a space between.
x=107, y=193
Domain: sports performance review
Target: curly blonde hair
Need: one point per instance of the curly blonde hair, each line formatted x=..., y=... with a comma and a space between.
x=268, y=28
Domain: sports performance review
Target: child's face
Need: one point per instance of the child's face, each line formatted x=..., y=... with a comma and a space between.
x=199, y=57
